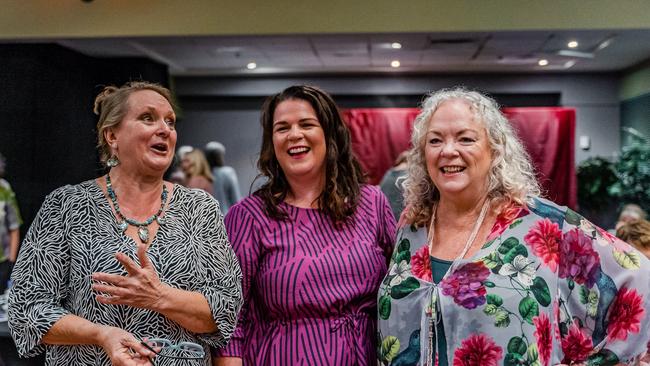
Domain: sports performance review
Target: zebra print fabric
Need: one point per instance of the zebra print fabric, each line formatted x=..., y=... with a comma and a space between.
x=76, y=234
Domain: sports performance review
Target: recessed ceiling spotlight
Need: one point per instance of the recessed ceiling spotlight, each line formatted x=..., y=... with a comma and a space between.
x=395, y=63
x=572, y=44
x=569, y=64
x=251, y=66
x=396, y=45
x=542, y=62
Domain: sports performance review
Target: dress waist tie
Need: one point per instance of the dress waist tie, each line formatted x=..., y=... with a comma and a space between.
x=353, y=326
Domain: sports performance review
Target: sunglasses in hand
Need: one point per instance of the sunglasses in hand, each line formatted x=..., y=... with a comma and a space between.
x=181, y=351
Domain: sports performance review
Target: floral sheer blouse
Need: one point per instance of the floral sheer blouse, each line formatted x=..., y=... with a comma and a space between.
x=547, y=287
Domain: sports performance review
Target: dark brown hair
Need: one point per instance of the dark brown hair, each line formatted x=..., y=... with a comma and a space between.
x=343, y=174
x=111, y=105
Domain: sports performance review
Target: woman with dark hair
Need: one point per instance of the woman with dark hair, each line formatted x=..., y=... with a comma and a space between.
x=313, y=242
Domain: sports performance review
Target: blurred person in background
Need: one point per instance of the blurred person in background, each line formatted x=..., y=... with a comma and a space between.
x=225, y=185
x=10, y=222
x=636, y=233
x=630, y=212
x=197, y=171
x=391, y=184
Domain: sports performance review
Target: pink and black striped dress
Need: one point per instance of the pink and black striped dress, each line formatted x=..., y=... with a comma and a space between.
x=310, y=289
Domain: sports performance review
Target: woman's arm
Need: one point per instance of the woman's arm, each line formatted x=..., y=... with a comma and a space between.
x=40, y=277
x=602, y=289
x=142, y=288
x=210, y=311
x=14, y=241
x=386, y=225
x=121, y=346
x=244, y=233
x=227, y=361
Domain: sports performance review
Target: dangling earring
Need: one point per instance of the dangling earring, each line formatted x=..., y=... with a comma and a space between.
x=113, y=161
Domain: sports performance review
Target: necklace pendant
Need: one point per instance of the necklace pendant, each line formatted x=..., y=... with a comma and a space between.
x=123, y=225
x=161, y=220
x=143, y=234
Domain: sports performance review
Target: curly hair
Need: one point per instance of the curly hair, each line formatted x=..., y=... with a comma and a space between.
x=511, y=176
x=111, y=105
x=636, y=233
x=343, y=174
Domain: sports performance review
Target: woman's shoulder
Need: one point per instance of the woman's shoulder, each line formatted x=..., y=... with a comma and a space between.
x=547, y=209
x=370, y=190
x=189, y=195
x=251, y=207
x=69, y=194
x=407, y=229
x=253, y=204
x=4, y=184
x=371, y=193
x=74, y=191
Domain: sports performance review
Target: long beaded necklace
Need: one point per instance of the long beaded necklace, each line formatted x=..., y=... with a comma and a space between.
x=143, y=227
x=468, y=244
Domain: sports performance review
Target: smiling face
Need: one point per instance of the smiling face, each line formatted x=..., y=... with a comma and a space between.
x=299, y=140
x=145, y=139
x=457, y=151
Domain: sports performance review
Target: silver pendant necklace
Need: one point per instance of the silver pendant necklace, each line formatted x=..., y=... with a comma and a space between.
x=143, y=227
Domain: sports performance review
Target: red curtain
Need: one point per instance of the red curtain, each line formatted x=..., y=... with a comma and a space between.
x=549, y=134
x=380, y=134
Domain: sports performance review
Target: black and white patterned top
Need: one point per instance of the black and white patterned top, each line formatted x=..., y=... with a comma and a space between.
x=75, y=234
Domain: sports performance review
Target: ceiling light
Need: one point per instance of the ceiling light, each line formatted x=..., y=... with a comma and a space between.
x=394, y=63
x=569, y=64
x=396, y=45
x=572, y=44
x=605, y=43
x=542, y=62
x=251, y=66
x=571, y=53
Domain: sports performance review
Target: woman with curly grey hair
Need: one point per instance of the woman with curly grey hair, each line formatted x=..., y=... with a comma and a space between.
x=485, y=272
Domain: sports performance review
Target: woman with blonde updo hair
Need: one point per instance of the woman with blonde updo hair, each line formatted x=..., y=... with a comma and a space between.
x=197, y=171
x=127, y=267
x=486, y=272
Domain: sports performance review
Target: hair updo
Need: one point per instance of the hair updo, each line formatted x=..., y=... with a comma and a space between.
x=111, y=105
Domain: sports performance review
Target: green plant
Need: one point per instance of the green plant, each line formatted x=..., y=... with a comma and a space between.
x=595, y=176
x=633, y=173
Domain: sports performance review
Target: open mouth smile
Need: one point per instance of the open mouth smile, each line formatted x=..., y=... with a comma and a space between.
x=452, y=169
x=298, y=151
x=161, y=148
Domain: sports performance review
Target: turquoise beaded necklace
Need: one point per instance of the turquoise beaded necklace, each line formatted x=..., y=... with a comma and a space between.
x=143, y=227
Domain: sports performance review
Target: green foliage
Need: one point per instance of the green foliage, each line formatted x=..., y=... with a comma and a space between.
x=384, y=307
x=517, y=345
x=528, y=308
x=633, y=173
x=595, y=176
x=494, y=299
x=404, y=288
x=389, y=348
x=541, y=292
x=627, y=180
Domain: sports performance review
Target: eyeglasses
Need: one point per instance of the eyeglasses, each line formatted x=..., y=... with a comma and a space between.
x=180, y=351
